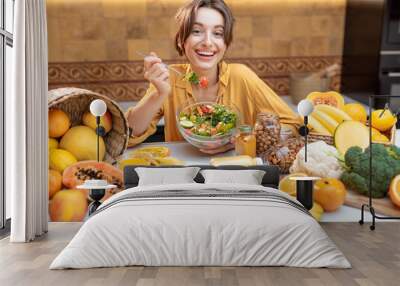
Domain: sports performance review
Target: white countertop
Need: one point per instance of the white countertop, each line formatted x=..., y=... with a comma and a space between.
x=191, y=156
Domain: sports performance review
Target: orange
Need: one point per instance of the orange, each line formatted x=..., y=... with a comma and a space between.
x=356, y=111
x=394, y=191
x=55, y=182
x=329, y=193
x=383, y=120
x=59, y=123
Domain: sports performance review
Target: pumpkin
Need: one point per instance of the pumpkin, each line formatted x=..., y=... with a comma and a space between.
x=350, y=133
x=330, y=98
x=329, y=193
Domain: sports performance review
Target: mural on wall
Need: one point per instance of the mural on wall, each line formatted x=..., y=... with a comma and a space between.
x=97, y=47
x=93, y=44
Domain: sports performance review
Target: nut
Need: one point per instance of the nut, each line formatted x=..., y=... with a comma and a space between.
x=283, y=154
x=268, y=130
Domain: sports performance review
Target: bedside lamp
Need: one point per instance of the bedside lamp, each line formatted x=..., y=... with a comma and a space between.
x=304, y=185
x=97, y=188
x=305, y=108
x=98, y=107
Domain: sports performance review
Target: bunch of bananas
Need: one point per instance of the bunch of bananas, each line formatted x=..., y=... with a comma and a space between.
x=325, y=118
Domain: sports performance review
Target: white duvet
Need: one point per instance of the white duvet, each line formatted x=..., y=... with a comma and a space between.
x=188, y=231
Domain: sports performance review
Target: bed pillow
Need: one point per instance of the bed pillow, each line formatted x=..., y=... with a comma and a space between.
x=166, y=176
x=248, y=177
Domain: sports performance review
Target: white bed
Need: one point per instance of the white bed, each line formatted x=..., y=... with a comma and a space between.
x=201, y=224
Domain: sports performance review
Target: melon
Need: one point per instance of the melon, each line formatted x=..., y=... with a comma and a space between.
x=331, y=98
x=351, y=133
x=79, y=172
x=81, y=141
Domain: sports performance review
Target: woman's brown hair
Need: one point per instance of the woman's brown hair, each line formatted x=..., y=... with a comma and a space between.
x=186, y=17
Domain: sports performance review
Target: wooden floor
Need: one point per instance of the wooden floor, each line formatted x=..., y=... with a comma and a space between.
x=375, y=257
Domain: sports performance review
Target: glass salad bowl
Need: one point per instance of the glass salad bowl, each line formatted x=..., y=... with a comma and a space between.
x=207, y=125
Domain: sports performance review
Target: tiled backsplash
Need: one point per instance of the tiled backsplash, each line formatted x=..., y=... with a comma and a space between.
x=111, y=31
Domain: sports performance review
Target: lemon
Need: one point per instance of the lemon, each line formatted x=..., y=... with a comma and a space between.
x=53, y=144
x=289, y=186
x=60, y=159
x=383, y=120
x=317, y=211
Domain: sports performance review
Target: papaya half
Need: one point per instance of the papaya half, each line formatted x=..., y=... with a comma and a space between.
x=331, y=98
x=76, y=174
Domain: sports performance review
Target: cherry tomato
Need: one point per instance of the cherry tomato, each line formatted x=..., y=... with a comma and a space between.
x=203, y=82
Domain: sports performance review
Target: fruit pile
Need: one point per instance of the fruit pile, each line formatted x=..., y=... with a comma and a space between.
x=150, y=156
x=72, y=160
x=332, y=117
x=329, y=193
x=347, y=125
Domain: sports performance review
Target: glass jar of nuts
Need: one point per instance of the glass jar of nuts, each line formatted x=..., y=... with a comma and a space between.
x=283, y=154
x=267, y=130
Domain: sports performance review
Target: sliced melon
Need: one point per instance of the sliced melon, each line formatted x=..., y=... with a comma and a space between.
x=330, y=98
x=351, y=133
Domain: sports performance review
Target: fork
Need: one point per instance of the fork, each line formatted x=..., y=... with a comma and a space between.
x=168, y=66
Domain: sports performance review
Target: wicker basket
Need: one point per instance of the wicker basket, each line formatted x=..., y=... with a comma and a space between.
x=75, y=101
x=301, y=84
x=312, y=137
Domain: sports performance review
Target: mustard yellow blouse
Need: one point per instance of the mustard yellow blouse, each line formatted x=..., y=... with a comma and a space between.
x=239, y=86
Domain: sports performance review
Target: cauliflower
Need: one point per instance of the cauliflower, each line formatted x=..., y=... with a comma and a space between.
x=322, y=161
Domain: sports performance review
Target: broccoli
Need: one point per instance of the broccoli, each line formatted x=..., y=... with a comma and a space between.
x=385, y=165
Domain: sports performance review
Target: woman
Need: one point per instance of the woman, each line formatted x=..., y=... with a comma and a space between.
x=204, y=34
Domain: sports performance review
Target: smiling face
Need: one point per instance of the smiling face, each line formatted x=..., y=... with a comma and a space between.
x=205, y=46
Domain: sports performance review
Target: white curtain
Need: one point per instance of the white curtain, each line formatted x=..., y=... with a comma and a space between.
x=26, y=123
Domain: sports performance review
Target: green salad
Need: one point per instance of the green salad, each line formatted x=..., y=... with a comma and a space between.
x=207, y=120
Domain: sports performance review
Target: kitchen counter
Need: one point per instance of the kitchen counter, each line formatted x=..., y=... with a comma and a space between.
x=191, y=156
